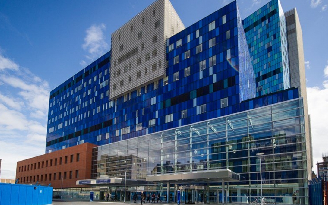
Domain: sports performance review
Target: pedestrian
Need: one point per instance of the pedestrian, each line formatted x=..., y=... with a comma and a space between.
x=153, y=198
x=135, y=198
x=141, y=197
x=107, y=197
x=148, y=198
x=159, y=197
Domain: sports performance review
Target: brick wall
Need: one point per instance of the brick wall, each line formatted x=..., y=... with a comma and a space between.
x=60, y=168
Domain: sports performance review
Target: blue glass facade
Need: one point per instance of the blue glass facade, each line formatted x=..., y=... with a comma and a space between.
x=265, y=31
x=209, y=74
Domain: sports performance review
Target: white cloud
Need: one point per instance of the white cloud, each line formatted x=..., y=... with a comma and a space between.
x=23, y=110
x=13, y=103
x=94, y=42
x=6, y=63
x=307, y=64
x=315, y=3
x=324, y=7
x=326, y=71
x=318, y=104
x=255, y=2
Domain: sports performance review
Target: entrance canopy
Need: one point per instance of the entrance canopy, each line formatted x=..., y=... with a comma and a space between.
x=204, y=176
x=99, y=181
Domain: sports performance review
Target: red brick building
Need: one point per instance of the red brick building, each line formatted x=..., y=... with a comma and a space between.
x=60, y=168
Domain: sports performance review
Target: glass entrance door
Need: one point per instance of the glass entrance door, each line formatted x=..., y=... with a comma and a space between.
x=190, y=196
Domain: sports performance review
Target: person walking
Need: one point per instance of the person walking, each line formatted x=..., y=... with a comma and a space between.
x=135, y=198
x=107, y=197
x=153, y=198
x=148, y=198
x=159, y=197
x=142, y=198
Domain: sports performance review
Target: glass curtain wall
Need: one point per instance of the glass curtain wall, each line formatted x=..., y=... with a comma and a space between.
x=265, y=144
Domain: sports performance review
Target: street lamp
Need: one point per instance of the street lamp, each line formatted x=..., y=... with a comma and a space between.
x=260, y=156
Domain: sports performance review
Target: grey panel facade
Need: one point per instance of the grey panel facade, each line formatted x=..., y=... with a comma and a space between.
x=138, y=47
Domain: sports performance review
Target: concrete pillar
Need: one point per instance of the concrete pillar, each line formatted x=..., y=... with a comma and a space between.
x=222, y=191
x=239, y=195
x=168, y=192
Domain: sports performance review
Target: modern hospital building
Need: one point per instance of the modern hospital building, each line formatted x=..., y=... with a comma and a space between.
x=214, y=112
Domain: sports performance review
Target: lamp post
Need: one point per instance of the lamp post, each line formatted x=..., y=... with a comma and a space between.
x=260, y=156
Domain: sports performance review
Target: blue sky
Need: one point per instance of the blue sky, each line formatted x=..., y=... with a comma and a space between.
x=43, y=43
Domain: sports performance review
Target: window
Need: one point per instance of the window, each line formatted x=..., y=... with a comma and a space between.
x=65, y=175
x=228, y=54
x=176, y=60
x=131, y=28
x=60, y=160
x=139, y=35
x=49, y=177
x=184, y=113
x=70, y=174
x=54, y=176
x=224, y=19
x=59, y=176
x=187, y=54
x=142, y=46
x=157, y=23
x=175, y=76
x=117, y=133
x=147, y=57
x=211, y=26
x=129, y=82
x=154, y=39
x=168, y=118
x=154, y=12
x=76, y=173
x=139, y=74
x=139, y=61
x=114, y=87
x=197, y=33
x=188, y=38
x=155, y=85
x=55, y=162
x=139, y=127
x=126, y=130
x=78, y=156
x=121, y=83
x=202, y=109
x=228, y=35
x=171, y=47
x=153, y=101
x=71, y=158
x=151, y=122
x=187, y=72
x=199, y=48
x=212, y=61
x=202, y=65
x=121, y=47
x=179, y=43
x=154, y=53
x=66, y=159
x=165, y=81
x=98, y=138
x=211, y=42
x=224, y=102
x=154, y=67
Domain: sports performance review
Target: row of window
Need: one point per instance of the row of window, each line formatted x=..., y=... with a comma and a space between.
x=49, y=163
x=50, y=177
x=211, y=27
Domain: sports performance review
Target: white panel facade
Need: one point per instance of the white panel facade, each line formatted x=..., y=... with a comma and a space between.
x=297, y=73
x=138, y=48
